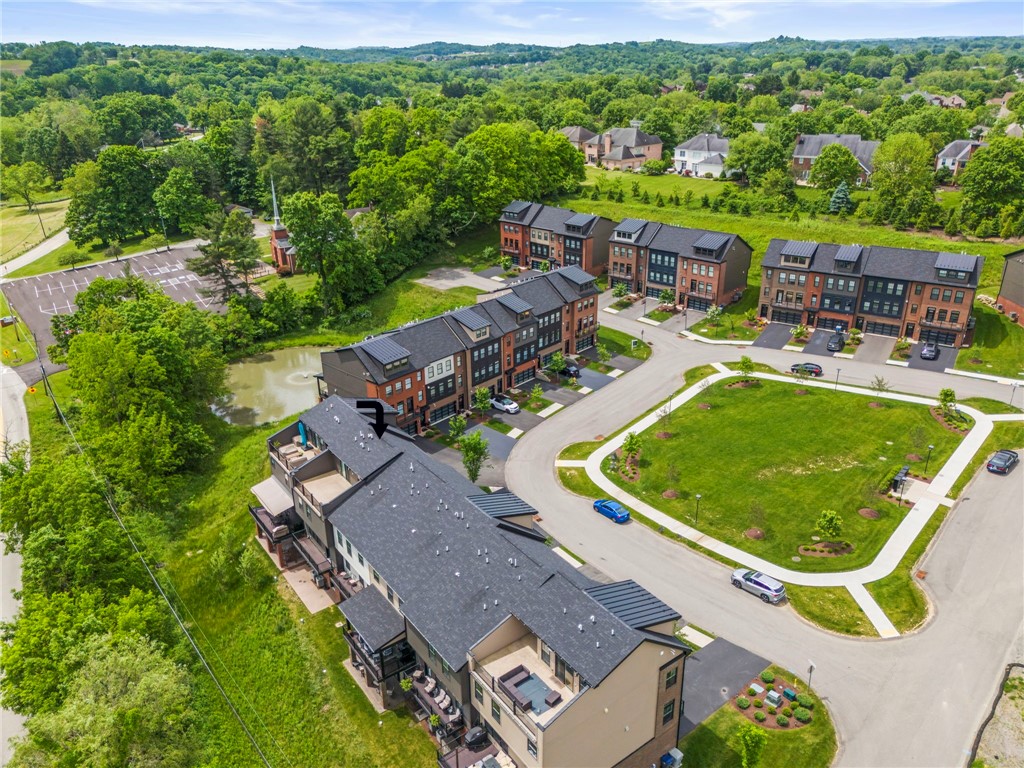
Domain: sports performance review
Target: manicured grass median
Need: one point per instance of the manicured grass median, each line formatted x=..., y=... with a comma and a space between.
x=998, y=345
x=831, y=608
x=761, y=458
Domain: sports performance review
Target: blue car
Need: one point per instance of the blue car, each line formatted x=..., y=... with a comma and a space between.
x=612, y=510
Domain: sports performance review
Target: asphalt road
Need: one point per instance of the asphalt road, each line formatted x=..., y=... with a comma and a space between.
x=916, y=700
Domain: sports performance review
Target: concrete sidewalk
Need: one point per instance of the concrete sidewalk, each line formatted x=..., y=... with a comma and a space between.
x=52, y=243
x=890, y=555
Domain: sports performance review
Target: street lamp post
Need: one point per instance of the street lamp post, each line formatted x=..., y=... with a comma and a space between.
x=810, y=671
x=837, y=379
x=926, y=461
x=696, y=515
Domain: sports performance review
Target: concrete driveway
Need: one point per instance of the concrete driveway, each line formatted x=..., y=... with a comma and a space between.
x=817, y=344
x=875, y=349
x=935, y=684
x=715, y=674
x=446, y=278
x=774, y=336
x=946, y=359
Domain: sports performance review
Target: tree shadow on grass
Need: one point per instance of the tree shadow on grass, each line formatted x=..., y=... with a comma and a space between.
x=704, y=748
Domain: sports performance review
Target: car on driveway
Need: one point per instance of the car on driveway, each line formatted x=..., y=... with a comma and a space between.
x=809, y=369
x=836, y=342
x=612, y=510
x=570, y=369
x=768, y=589
x=930, y=351
x=1002, y=462
x=505, y=403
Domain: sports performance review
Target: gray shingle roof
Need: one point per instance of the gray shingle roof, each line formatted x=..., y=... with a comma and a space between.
x=706, y=142
x=576, y=133
x=555, y=220
x=960, y=149
x=632, y=603
x=622, y=152
x=384, y=350
x=340, y=425
x=373, y=617
x=810, y=145
x=683, y=240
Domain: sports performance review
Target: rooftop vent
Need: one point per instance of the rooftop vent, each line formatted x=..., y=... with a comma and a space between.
x=579, y=627
x=592, y=619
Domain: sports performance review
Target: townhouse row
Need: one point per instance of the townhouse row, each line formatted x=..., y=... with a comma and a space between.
x=428, y=371
x=452, y=594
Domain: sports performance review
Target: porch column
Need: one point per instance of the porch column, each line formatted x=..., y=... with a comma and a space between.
x=277, y=551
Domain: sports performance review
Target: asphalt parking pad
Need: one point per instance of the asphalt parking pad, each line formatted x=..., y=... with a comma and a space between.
x=818, y=343
x=715, y=674
x=774, y=336
x=499, y=445
x=593, y=379
x=875, y=349
x=946, y=359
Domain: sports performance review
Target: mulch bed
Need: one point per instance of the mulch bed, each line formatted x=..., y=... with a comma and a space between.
x=754, y=533
x=779, y=685
x=940, y=417
x=663, y=435
x=743, y=384
x=671, y=493
x=844, y=548
x=868, y=512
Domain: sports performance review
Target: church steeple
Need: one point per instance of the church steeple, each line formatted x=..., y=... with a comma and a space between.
x=273, y=196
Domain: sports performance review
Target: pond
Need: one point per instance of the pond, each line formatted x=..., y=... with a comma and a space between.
x=270, y=386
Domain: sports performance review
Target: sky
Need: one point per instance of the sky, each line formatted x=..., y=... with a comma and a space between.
x=347, y=24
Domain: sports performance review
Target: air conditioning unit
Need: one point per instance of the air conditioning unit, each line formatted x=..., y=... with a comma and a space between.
x=1013, y=316
x=999, y=307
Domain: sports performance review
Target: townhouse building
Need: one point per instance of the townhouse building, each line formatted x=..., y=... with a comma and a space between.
x=922, y=295
x=427, y=371
x=456, y=592
x=1011, y=286
x=699, y=266
x=545, y=237
x=809, y=146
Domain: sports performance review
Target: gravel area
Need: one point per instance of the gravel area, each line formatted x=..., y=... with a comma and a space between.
x=1002, y=743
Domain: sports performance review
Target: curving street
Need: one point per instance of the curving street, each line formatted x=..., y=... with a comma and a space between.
x=915, y=700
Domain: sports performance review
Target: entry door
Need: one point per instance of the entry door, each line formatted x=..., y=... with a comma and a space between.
x=909, y=332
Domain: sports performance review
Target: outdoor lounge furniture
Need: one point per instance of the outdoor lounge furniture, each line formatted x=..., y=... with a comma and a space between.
x=417, y=674
x=445, y=702
x=552, y=698
x=430, y=687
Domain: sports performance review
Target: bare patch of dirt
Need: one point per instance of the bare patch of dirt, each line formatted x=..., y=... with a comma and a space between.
x=873, y=404
x=799, y=391
x=868, y=512
x=754, y=533
x=704, y=406
x=598, y=438
x=913, y=457
x=830, y=464
x=976, y=361
x=663, y=435
x=671, y=493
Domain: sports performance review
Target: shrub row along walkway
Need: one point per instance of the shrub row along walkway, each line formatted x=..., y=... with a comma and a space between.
x=891, y=553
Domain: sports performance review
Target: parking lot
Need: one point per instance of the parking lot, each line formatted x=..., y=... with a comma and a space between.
x=39, y=298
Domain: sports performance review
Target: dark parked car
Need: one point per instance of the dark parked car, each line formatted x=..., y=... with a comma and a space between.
x=571, y=370
x=1002, y=462
x=612, y=510
x=836, y=342
x=930, y=351
x=811, y=369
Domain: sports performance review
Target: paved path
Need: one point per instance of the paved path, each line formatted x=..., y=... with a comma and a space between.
x=445, y=278
x=875, y=689
x=52, y=243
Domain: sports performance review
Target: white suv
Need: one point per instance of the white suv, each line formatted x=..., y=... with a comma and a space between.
x=505, y=403
x=768, y=589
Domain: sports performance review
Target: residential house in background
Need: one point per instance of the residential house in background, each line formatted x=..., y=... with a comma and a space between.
x=698, y=266
x=1011, y=287
x=701, y=155
x=427, y=371
x=577, y=135
x=809, y=146
x=1001, y=102
x=541, y=236
x=922, y=295
x=622, y=148
x=455, y=591
x=947, y=102
x=955, y=155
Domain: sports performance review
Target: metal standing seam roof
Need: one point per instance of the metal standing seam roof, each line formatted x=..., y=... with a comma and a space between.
x=575, y=275
x=632, y=604
x=849, y=252
x=630, y=225
x=959, y=262
x=470, y=319
x=516, y=207
x=384, y=350
x=804, y=248
x=501, y=505
x=712, y=241
x=373, y=617
x=514, y=303
x=580, y=220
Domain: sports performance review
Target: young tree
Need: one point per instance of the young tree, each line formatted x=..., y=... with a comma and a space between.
x=603, y=353
x=835, y=165
x=481, y=399
x=557, y=362
x=713, y=315
x=620, y=290
x=72, y=257
x=536, y=393
x=456, y=427
x=753, y=741
x=746, y=365
x=474, y=453
x=840, y=202
x=880, y=385
x=830, y=524
x=113, y=251
x=947, y=399
x=631, y=445
x=667, y=296
x=24, y=181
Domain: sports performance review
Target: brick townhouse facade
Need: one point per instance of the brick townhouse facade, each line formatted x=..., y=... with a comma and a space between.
x=455, y=595
x=427, y=371
x=920, y=295
x=700, y=267
x=534, y=235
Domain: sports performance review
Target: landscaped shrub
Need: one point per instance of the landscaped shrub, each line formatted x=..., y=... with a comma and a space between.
x=751, y=691
x=767, y=677
x=772, y=710
x=782, y=720
x=758, y=703
x=743, y=702
x=805, y=700
x=787, y=712
x=803, y=715
x=760, y=717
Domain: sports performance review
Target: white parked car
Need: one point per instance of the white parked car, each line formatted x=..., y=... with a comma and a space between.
x=505, y=403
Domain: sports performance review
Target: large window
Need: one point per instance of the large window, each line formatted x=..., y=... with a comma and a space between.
x=668, y=712
x=495, y=711
x=478, y=691
x=671, y=676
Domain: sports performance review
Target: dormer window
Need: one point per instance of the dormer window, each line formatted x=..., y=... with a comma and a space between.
x=795, y=261
x=396, y=365
x=951, y=274
x=480, y=333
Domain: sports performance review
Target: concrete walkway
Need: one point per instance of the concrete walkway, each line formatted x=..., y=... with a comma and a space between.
x=52, y=243
x=895, y=548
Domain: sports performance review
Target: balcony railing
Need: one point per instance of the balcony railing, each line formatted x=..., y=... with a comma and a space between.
x=942, y=324
x=789, y=304
x=519, y=716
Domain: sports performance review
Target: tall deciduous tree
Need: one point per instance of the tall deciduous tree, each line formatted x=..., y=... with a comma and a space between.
x=754, y=155
x=181, y=202
x=835, y=165
x=903, y=165
x=25, y=181
x=994, y=178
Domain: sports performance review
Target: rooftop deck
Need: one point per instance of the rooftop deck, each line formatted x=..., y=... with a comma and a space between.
x=523, y=652
x=327, y=487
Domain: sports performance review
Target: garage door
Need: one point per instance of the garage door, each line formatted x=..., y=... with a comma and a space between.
x=442, y=413
x=882, y=329
x=786, y=316
x=701, y=305
x=939, y=337
x=525, y=376
x=830, y=323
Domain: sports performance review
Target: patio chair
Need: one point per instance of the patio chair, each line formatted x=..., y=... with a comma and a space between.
x=445, y=702
x=439, y=693
x=417, y=674
x=430, y=686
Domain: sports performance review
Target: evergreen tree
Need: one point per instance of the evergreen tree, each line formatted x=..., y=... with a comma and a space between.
x=952, y=227
x=645, y=198
x=659, y=201
x=620, y=198
x=705, y=201
x=841, y=202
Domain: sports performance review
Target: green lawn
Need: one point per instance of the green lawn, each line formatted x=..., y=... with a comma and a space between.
x=498, y=425
x=46, y=432
x=898, y=594
x=20, y=229
x=619, y=343
x=757, y=230
x=16, y=67
x=299, y=283
x=760, y=458
x=51, y=261
x=732, y=324
x=713, y=743
x=536, y=406
x=658, y=315
x=15, y=340
x=998, y=345
x=990, y=406
x=831, y=608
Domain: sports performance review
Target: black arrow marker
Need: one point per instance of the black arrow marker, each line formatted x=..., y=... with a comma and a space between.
x=379, y=427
